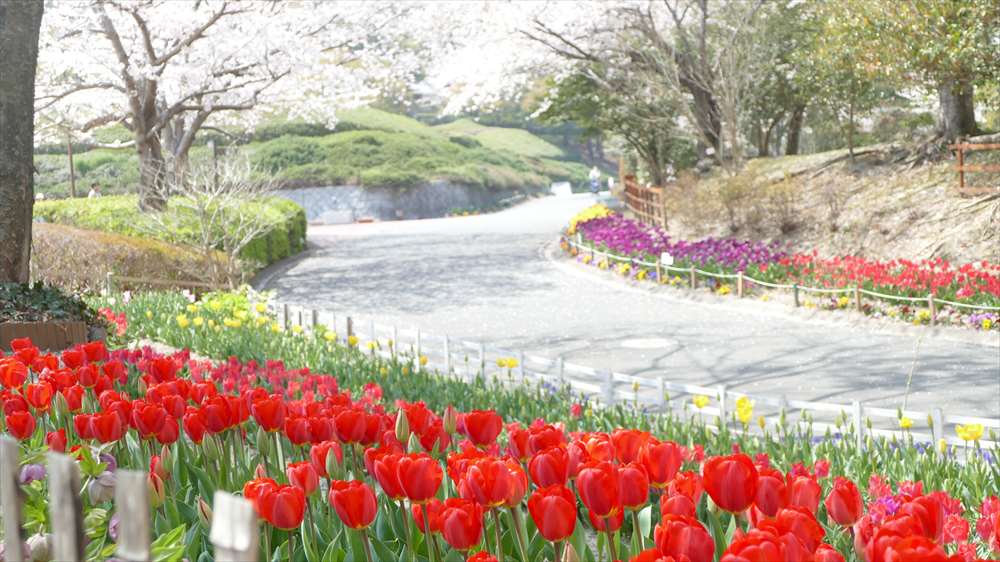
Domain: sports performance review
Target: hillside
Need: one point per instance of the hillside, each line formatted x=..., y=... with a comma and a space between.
x=369, y=147
x=878, y=206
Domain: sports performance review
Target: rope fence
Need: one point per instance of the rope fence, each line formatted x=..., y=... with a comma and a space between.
x=742, y=279
x=467, y=360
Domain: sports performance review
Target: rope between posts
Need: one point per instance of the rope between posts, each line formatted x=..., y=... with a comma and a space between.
x=846, y=290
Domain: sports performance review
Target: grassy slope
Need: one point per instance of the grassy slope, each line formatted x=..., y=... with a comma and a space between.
x=369, y=147
x=873, y=207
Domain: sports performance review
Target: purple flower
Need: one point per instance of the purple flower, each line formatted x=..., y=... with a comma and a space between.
x=110, y=461
x=30, y=473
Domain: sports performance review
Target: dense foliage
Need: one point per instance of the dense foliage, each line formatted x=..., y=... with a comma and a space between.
x=38, y=302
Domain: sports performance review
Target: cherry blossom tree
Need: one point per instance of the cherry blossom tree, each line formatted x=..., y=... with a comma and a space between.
x=167, y=70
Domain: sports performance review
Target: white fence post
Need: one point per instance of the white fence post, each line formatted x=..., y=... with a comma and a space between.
x=417, y=343
x=561, y=366
x=609, y=389
x=482, y=359
x=520, y=365
x=723, y=417
x=447, y=355
x=395, y=340
x=132, y=507
x=858, y=410
x=663, y=393
x=371, y=330
x=937, y=418
x=10, y=499
x=65, y=508
x=234, y=529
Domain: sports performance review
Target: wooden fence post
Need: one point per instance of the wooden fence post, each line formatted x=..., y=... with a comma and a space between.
x=132, y=507
x=933, y=308
x=659, y=271
x=739, y=284
x=65, y=508
x=285, y=320
x=609, y=389
x=795, y=294
x=234, y=529
x=663, y=393
x=350, y=328
x=857, y=297
x=961, y=168
x=859, y=427
x=593, y=254
x=10, y=500
x=109, y=282
x=299, y=314
x=314, y=318
x=694, y=278
x=937, y=430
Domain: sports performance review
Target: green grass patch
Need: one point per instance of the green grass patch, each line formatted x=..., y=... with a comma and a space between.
x=518, y=141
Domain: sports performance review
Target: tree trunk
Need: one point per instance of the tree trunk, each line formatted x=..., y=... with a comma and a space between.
x=795, y=129
x=850, y=130
x=19, y=25
x=956, y=114
x=152, y=176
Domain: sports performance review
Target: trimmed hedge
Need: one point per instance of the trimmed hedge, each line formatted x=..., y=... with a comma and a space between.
x=121, y=215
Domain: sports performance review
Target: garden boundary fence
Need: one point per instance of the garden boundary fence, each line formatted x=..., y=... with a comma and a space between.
x=646, y=203
x=234, y=523
x=961, y=167
x=742, y=280
x=467, y=360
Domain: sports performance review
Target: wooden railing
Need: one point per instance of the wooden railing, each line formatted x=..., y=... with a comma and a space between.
x=961, y=167
x=646, y=203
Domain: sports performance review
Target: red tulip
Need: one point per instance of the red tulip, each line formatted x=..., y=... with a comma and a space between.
x=653, y=555
x=598, y=487
x=662, y=460
x=56, y=440
x=351, y=425
x=627, y=444
x=679, y=536
x=482, y=556
x=481, y=426
x=169, y=433
x=553, y=509
x=731, y=481
x=434, y=508
x=74, y=397
x=755, y=546
x=549, y=467
x=107, y=427
x=798, y=521
x=517, y=442
x=95, y=351
x=284, y=506
x=419, y=476
x=20, y=424
x=148, y=419
x=888, y=534
x=804, y=491
x=486, y=482
x=929, y=513
x=518, y=483
x=320, y=452
x=633, y=485
x=194, y=425
x=772, y=492
x=608, y=524
x=39, y=395
x=826, y=553
x=298, y=430
x=687, y=483
x=542, y=437
x=461, y=523
x=303, y=475
x=257, y=487
x=385, y=469
x=354, y=502
x=677, y=505
x=915, y=549
x=843, y=503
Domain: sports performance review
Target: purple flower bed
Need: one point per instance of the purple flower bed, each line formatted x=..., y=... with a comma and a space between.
x=631, y=238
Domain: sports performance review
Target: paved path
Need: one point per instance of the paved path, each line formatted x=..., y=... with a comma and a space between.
x=500, y=279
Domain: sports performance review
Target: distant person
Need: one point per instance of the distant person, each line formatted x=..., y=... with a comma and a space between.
x=95, y=191
x=595, y=179
x=611, y=183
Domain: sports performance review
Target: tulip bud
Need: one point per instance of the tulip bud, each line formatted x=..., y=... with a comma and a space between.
x=211, y=447
x=60, y=407
x=333, y=465
x=569, y=553
x=166, y=456
x=157, y=467
x=450, y=421
x=157, y=491
x=102, y=488
x=204, y=513
x=413, y=445
x=712, y=507
x=402, y=427
x=260, y=471
x=263, y=442
x=40, y=547
x=142, y=387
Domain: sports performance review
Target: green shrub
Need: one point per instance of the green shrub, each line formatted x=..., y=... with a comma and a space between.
x=287, y=151
x=295, y=128
x=38, y=302
x=390, y=177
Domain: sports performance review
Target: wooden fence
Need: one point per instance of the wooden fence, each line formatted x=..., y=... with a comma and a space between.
x=646, y=203
x=114, y=282
x=961, y=167
x=467, y=360
x=234, y=523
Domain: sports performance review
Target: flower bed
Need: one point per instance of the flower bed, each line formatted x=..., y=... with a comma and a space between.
x=334, y=469
x=972, y=284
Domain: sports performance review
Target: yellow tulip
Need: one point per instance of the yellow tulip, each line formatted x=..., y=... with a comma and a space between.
x=275, y=327
x=987, y=323
x=423, y=360
x=352, y=340
x=183, y=321
x=372, y=345
x=296, y=329
x=700, y=401
x=905, y=422
x=198, y=321
x=192, y=308
x=149, y=314
x=969, y=432
x=744, y=409
x=261, y=308
x=329, y=335
x=502, y=362
x=211, y=323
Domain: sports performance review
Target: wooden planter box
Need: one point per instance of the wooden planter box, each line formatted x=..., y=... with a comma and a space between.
x=53, y=336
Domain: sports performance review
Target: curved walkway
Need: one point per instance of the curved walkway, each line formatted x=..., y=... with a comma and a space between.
x=499, y=278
